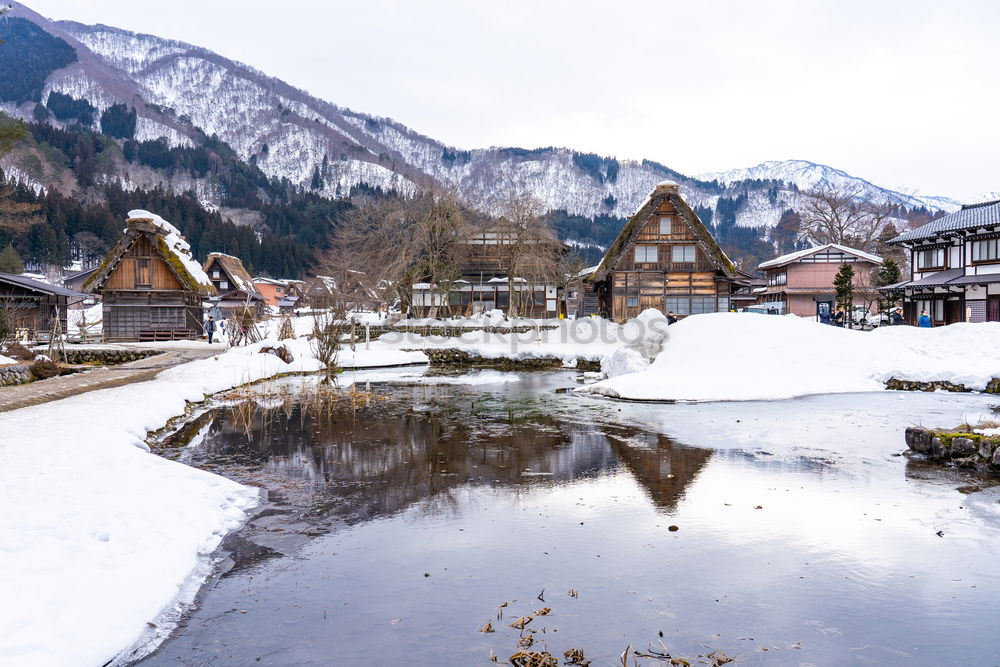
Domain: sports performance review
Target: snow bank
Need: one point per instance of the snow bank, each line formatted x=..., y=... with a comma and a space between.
x=744, y=356
x=7, y=360
x=97, y=536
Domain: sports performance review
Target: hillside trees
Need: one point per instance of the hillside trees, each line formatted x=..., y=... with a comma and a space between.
x=119, y=121
x=29, y=55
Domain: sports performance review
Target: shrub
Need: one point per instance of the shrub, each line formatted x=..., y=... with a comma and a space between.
x=42, y=370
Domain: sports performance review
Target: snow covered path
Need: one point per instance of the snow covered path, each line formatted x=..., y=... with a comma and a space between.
x=64, y=386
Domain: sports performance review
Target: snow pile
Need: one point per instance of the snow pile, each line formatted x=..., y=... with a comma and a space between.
x=7, y=360
x=624, y=361
x=647, y=333
x=178, y=246
x=744, y=356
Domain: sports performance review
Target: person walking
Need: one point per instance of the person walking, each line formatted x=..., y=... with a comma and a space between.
x=897, y=317
x=210, y=328
x=924, y=321
x=838, y=318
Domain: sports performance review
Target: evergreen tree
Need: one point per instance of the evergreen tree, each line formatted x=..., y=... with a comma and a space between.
x=10, y=261
x=887, y=274
x=317, y=181
x=843, y=285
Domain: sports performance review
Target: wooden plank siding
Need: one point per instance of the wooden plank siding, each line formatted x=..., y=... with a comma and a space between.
x=649, y=284
x=142, y=268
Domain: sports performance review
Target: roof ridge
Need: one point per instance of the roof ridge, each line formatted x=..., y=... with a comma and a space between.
x=980, y=204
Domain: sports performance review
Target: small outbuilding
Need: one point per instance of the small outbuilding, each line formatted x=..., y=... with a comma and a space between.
x=236, y=289
x=30, y=307
x=151, y=286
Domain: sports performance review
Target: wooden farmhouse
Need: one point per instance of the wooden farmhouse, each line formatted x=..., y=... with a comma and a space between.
x=30, y=307
x=664, y=258
x=151, y=287
x=235, y=287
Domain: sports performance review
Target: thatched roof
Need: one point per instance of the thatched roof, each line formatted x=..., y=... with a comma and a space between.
x=169, y=245
x=671, y=191
x=233, y=267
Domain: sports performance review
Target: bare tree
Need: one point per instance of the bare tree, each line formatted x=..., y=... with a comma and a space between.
x=398, y=241
x=89, y=247
x=526, y=247
x=845, y=214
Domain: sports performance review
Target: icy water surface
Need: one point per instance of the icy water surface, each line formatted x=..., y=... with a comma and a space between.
x=396, y=531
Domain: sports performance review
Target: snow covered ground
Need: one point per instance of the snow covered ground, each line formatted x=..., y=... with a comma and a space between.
x=95, y=527
x=745, y=356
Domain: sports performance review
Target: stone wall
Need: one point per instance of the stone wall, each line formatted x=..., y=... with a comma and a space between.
x=465, y=358
x=967, y=450
x=944, y=385
x=16, y=374
x=107, y=356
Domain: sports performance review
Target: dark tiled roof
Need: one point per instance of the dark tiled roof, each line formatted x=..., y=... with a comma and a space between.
x=986, y=279
x=970, y=216
x=39, y=286
x=939, y=278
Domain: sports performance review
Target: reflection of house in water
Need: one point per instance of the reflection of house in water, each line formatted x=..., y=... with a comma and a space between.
x=663, y=467
x=365, y=467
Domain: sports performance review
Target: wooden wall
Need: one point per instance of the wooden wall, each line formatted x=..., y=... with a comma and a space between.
x=142, y=268
x=656, y=284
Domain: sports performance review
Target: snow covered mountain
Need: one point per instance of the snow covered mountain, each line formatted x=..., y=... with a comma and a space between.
x=809, y=175
x=184, y=93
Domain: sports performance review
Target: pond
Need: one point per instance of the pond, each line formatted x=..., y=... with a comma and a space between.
x=402, y=521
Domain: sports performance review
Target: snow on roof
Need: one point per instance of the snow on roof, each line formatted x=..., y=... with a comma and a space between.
x=233, y=266
x=793, y=256
x=177, y=246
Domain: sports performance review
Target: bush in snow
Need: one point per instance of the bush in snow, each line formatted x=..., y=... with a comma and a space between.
x=42, y=370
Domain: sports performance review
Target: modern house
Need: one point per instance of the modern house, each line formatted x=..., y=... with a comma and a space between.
x=151, y=286
x=955, y=267
x=801, y=283
x=30, y=307
x=235, y=288
x=664, y=258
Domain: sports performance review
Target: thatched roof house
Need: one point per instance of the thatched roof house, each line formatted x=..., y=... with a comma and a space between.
x=152, y=287
x=664, y=258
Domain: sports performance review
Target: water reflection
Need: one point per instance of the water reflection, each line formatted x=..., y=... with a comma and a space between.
x=420, y=443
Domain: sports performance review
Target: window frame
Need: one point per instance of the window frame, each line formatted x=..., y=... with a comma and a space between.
x=684, y=248
x=645, y=251
x=919, y=254
x=975, y=245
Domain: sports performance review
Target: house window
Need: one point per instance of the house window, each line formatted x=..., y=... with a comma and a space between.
x=702, y=304
x=216, y=273
x=142, y=273
x=683, y=253
x=632, y=301
x=646, y=254
x=939, y=310
x=723, y=304
x=223, y=284
x=679, y=305
x=667, y=226
x=777, y=278
x=985, y=251
x=929, y=259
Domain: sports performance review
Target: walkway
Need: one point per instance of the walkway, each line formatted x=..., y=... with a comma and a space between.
x=64, y=386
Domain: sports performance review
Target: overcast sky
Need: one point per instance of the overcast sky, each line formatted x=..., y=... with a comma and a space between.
x=904, y=94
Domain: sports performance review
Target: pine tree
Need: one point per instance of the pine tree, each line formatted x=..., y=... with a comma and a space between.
x=10, y=261
x=887, y=274
x=843, y=285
